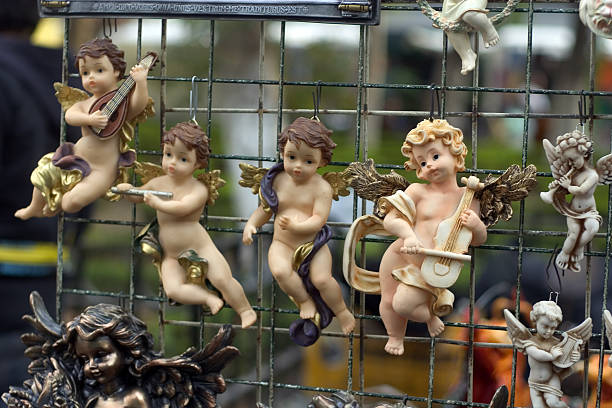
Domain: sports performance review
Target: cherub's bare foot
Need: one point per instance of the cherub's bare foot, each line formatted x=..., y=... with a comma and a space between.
x=395, y=346
x=214, y=304
x=247, y=318
x=468, y=63
x=308, y=309
x=347, y=321
x=562, y=260
x=578, y=255
x=573, y=266
x=435, y=326
x=490, y=36
x=27, y=213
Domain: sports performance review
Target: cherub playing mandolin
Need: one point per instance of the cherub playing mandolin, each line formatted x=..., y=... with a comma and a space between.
x=77, y=174
x=435, y=223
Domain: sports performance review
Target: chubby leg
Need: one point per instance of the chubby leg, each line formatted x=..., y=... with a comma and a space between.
x=321, y=278
x=279, y=261
x=175, y=286
x=220, y=276
x=574, y=228
x=481, y=22
x=415, y=304
x=87, y=191
x=461, y=44
x=395, y=324
x=590, y=227
x=552, y=400
x=36, y=207
x=537, y=401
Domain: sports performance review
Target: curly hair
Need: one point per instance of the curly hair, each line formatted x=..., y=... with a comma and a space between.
x=428, y=131
x=546, y=308
x=310, y=131
x=126, y=331
x=575, y=139
x=100, y=47
x=193, y=137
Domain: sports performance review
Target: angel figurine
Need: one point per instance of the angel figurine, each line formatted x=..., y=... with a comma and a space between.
x=104, y=357
x=77, y=174
x=573, y=174
x=299, y=258
x=435, y=223
x=597, y=15
x=550, y=359
x=185, y=254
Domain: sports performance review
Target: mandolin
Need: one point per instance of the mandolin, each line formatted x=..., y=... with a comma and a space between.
x=114, y=104
x=442, y=269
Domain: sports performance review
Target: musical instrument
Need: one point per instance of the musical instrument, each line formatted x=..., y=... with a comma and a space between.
x=547, y=196
x=441, y=267
x=114, y=104
x=133, y=191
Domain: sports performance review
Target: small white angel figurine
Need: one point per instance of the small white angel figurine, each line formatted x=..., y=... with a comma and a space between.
x=597, y=15
x=550, y=359
x=573, y=174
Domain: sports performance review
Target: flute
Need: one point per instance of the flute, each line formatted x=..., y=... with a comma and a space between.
x=133, y=191
x=547, y=196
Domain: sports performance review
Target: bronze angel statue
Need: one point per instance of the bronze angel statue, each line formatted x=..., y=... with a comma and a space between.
x=550, y=359
x=435, y=223
x=573, y=174
x=301, y=199
x=191, y=268
x=104, y=357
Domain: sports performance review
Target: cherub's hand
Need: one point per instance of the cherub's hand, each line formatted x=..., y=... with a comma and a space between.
x=556, y=352
x=411, y=246
x=564, y=181
x=124, y=186
x=284, y=222
x=139, y=73
x=469, y=219
x=247, y=234
x=152, y=201
x=98, y=120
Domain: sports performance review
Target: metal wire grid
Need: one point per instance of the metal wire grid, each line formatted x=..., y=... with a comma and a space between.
x=265, y=381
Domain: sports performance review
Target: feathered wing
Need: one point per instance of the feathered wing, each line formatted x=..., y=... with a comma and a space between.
x=192, y=379
x=67, y=95
x=558, y=166
x=147, y=171
x=498, y=193
x=604, y=169
x=370, y=184
x=517, y=332
x=251, y=176
x=213, y=182
x=339, y=182
x=574, y=341
x=51, y=384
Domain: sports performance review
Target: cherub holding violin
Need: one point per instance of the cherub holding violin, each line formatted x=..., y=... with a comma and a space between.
x=435, y=222
x=77, y=174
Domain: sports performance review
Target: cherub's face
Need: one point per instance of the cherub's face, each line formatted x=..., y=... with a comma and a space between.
x=98, y=75
x=301, y=161
x=436, y=163
x=102, y=360
x=575, y=158
x=545, y=326
x=178, y=161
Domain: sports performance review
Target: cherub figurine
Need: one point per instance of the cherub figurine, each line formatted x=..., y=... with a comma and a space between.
x=549, y=358
x=299, y=258
x=438, y=219
x=573, y=174
x=597, y=15
x=184, y=248
x=78, y=174
x=104, y=357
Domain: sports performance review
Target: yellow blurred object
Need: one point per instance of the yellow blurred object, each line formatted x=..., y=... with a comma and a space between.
x=49, y=33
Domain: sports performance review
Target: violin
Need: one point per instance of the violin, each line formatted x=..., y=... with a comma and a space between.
x=442, y=267
x=114, y=104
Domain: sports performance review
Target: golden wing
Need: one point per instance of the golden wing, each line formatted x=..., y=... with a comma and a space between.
x=370, y=184
x=339, y=182
x=251, y=176
x=147, y=112
x=213, y=181
x=147, y=171
x=67, y=95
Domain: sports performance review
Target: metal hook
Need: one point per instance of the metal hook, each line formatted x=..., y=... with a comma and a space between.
x=193, y=100
x=582, y=108
x=316, y=100
x=431, y=109
x=110, y=27
x=556, y=296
